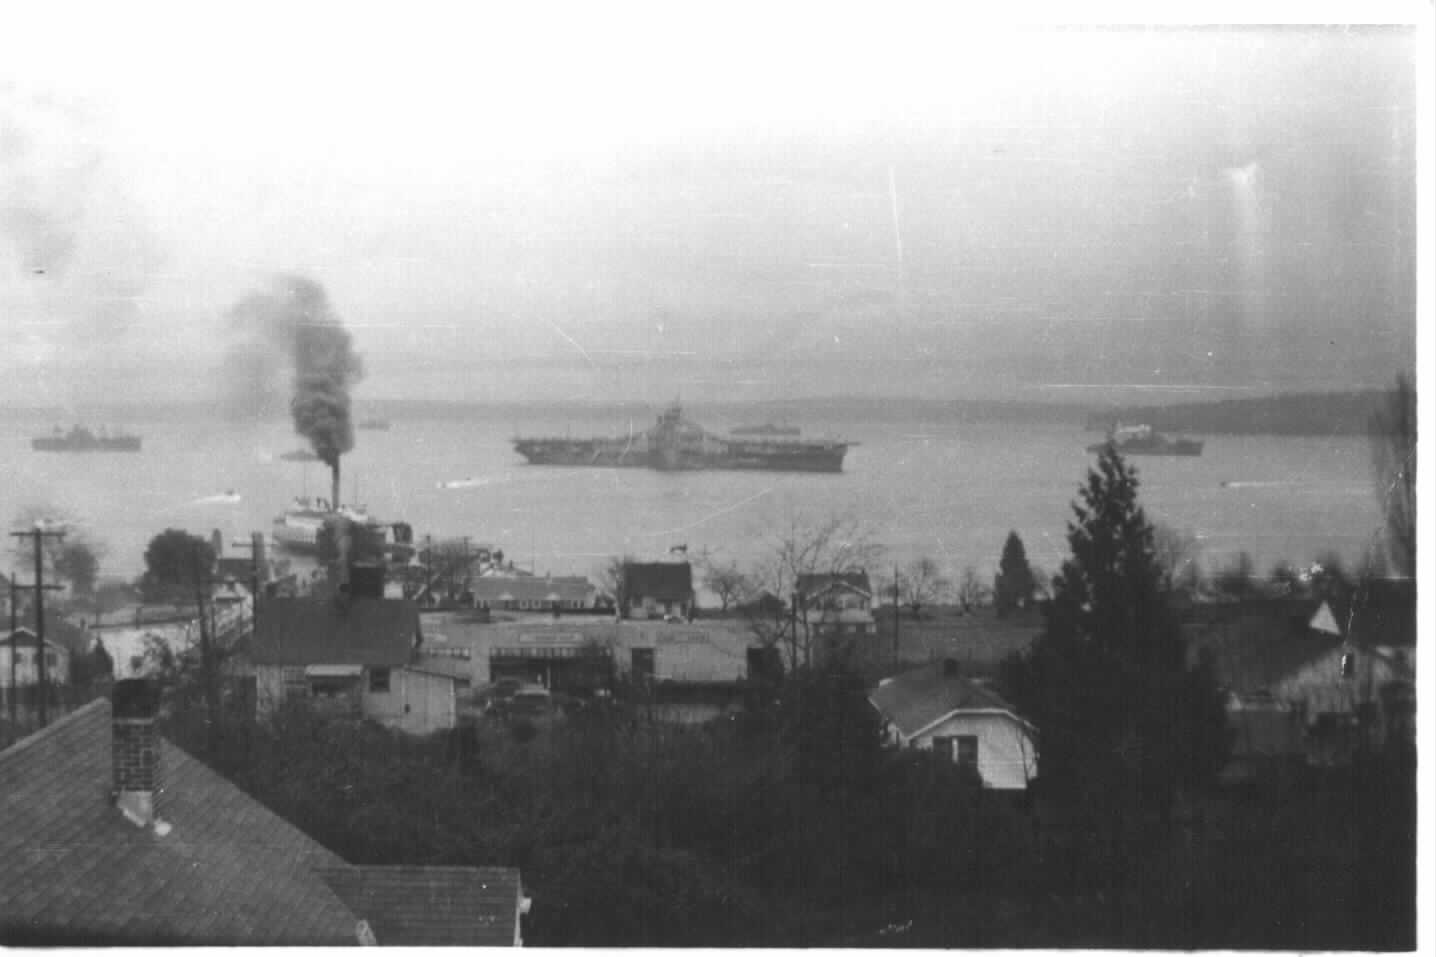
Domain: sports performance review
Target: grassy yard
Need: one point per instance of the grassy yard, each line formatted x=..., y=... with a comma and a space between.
x=977, y=640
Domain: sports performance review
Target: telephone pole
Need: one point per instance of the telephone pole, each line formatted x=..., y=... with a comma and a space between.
x=255, y=547
x=38, y=534
x=897, y=620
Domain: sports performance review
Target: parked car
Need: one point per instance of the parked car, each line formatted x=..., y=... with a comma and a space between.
x=491, y=698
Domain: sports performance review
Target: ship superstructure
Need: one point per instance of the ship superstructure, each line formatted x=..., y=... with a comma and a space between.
x=1144, y=440
x=675, y=443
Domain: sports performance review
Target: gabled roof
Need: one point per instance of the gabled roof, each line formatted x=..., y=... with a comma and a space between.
x=917, y=700
x=72, y=638
x=228, y=871
x=661, y=581
x=25, y=640
x=432, y=906
x=376, y=632
x=810, y=585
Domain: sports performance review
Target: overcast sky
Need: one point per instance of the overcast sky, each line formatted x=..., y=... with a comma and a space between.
x=617, y=203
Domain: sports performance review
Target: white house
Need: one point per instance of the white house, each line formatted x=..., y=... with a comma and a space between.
x=935, y=708
x=25, y=669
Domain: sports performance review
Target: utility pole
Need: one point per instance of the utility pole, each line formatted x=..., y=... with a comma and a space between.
x=255, y=546
x=14, y=655
x=38, y=534
x=897, y=620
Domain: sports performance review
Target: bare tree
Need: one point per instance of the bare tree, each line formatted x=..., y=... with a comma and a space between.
x=972, y=592
x=612, y=580
x=801, y=547
x=1393, y=438
x=725, y=580
x=921, y=584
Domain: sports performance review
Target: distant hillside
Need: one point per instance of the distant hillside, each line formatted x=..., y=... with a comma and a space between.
x=1319, y=413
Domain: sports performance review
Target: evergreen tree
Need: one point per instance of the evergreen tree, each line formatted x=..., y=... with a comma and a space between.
x=1123, y=720
x=1014, y=585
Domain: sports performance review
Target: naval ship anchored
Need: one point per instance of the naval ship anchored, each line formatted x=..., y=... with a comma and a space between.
x=676, y=444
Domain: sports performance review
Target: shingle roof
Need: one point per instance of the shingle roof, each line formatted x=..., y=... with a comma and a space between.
x=916, y=699
x=360, y=631
x=662, y=581
x=432, y=906
x=229, y=871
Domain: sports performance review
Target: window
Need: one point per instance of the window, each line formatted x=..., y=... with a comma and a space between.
x=49, y=659
x=642, y=663
x=961, y=749
x=378, y=680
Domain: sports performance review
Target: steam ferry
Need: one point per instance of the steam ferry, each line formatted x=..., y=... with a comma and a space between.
x=675, y=443
x=297, y=528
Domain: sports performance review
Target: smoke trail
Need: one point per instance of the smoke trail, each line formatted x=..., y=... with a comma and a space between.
x=292, y=324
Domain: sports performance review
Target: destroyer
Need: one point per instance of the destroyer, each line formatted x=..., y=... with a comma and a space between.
x=675, y=444
x=81, y=439
x=1142, y=440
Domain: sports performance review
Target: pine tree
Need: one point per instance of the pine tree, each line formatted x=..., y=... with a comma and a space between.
x=1014, y=585
x=1122, y=719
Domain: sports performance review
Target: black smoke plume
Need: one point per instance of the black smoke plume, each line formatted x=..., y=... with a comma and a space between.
x=292, y=324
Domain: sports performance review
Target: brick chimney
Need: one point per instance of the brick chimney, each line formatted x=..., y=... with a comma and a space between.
x=136, y=749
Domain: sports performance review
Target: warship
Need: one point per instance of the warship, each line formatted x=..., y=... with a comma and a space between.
x=675, y=443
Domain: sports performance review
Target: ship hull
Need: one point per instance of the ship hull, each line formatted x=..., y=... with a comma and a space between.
x=97, y=445
x=1178, y=447
x=828, y=458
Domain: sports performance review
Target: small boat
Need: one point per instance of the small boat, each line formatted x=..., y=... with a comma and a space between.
x=375, y=425
x=461, y=483
x=227, y=497
x=299, y=455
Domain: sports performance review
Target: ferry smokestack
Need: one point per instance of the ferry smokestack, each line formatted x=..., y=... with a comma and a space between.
x=334, y=470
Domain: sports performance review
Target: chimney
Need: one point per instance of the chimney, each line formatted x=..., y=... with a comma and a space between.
x=135, y=749
x=334, y=502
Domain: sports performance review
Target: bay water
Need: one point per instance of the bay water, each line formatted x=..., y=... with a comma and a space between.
x=942, y=487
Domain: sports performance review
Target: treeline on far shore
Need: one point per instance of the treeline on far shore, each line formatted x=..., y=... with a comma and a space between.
x=1314, y=413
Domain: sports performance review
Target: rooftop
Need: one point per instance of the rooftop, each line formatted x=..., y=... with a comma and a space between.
x=663, y=581
x=357, y=631
x=229, y=870
x=810, y=585
x=432, y=906
x=226, y=870
x=917, y=699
